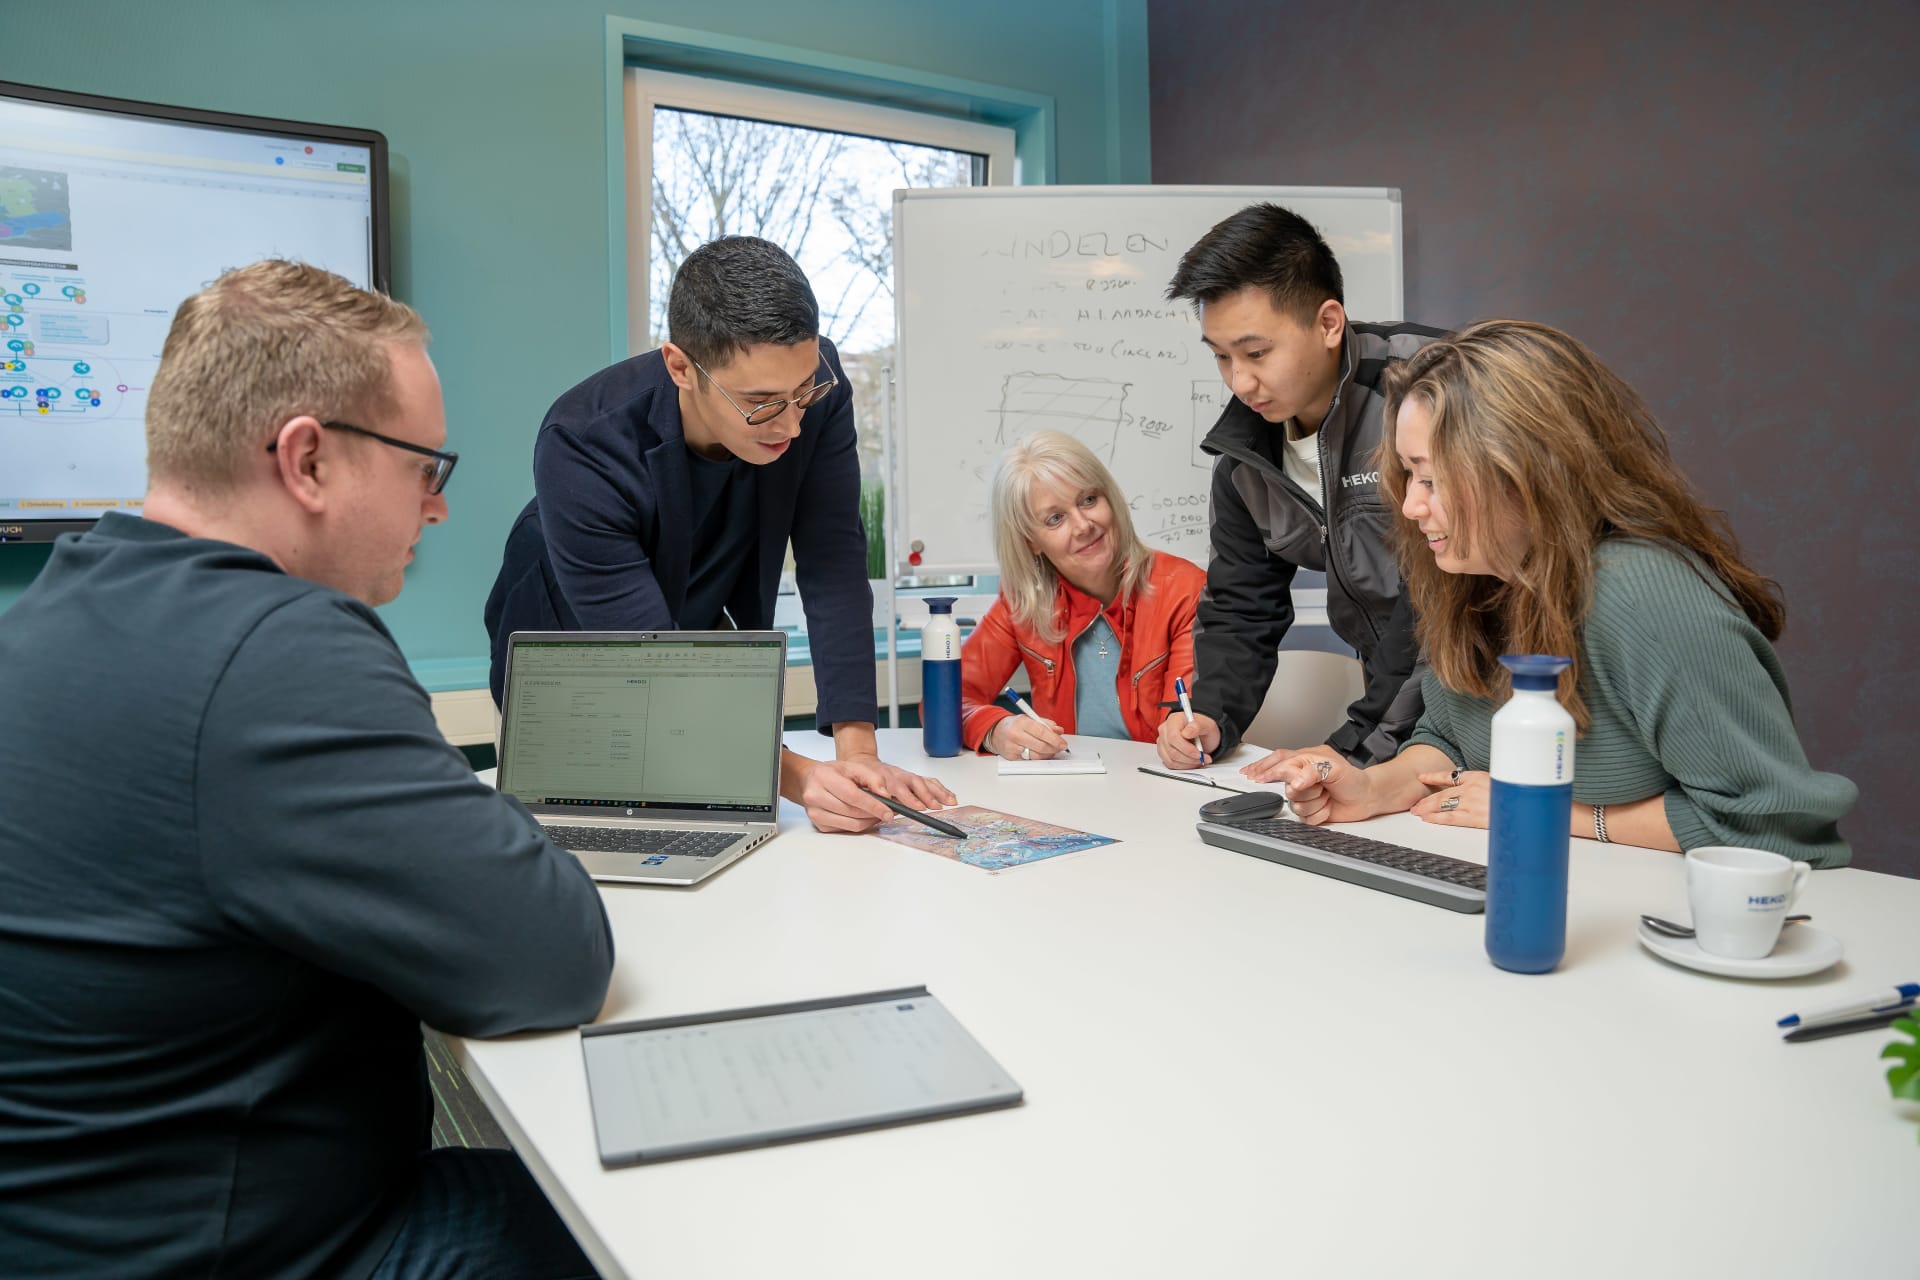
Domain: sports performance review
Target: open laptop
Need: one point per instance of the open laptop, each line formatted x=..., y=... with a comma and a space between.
x=651, y=756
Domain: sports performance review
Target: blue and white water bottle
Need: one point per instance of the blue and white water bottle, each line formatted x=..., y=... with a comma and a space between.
x=940, y=679
x=1532, y=807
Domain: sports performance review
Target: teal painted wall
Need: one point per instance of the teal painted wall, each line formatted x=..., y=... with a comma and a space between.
x=495, y=112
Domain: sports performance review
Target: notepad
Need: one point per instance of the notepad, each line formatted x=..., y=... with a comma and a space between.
x=1223, y=773
x=1082, y=761
x=687, y=1086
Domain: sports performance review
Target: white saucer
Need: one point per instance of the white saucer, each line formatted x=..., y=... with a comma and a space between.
x=1802, y=949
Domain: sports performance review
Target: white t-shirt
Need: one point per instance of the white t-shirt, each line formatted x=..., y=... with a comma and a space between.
x=1301, y=462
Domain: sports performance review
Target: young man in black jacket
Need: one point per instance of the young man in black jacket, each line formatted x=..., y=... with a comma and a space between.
x=1296, y=486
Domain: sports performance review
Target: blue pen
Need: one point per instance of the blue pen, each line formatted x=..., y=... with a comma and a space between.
x=1027, y=709
x=1186, y=708
x=1879, y=1002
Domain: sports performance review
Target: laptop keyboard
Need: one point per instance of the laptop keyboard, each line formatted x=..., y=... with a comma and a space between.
x=1431, y=878
x=682, y=844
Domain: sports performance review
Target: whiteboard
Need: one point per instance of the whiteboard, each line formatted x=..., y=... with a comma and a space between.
x=1023, y=309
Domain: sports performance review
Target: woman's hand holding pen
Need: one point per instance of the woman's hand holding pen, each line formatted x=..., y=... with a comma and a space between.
x=1025, y=738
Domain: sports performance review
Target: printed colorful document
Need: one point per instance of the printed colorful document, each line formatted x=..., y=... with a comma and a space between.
x=996, y=841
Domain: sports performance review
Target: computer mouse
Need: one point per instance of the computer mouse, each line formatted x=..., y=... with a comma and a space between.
x=1243, y=806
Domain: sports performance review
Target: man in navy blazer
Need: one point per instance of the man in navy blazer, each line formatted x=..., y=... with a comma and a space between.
x=667, y=487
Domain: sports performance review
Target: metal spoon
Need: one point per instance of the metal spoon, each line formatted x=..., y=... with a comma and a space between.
x=1673, y=930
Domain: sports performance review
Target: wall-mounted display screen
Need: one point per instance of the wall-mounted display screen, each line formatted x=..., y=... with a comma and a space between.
x=111, y=214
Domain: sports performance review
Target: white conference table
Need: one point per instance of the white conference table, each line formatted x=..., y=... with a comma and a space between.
x=1236, y=1068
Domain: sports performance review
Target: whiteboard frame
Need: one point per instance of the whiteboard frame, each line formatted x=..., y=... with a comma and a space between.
x=895, y=436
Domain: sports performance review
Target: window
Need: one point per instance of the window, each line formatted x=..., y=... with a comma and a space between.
x=813, y=174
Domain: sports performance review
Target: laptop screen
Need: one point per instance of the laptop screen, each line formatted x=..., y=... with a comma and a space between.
x=630, y=723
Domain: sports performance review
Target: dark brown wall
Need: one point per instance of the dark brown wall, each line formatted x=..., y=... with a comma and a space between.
x=1723, y=200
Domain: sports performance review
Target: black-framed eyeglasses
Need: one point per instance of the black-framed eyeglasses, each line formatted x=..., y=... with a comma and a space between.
x=761, y=414
x=443, y=459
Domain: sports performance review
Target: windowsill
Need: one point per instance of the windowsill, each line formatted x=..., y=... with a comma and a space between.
x=463, y=707
x=448, y=675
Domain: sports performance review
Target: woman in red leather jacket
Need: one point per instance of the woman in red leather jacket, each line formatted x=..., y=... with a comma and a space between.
x=1102, y=624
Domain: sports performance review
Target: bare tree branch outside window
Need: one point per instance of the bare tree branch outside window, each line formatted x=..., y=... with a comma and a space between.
x=826, y=198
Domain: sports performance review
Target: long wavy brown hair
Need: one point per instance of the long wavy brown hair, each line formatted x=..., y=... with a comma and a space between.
x=1531, y=432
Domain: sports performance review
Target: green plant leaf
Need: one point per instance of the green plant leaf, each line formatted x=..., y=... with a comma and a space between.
x=873, y=515
x=1904, y=1076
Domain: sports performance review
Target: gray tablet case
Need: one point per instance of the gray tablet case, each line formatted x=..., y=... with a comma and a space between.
x=668, y=1088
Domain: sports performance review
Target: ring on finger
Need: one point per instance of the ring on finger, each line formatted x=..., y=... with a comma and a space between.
x=1451, y=803
x=1454, y=776
x=1026, y=753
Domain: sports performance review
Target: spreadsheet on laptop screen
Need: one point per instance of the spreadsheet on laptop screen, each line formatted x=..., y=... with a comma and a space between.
x=657, y=723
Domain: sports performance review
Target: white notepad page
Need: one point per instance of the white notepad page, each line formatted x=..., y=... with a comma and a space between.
x=1080, y=760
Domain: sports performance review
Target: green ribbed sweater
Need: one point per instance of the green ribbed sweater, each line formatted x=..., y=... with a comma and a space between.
x=1689, y=701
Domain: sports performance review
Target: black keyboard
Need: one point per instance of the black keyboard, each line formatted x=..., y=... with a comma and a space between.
x=684, y=844
x=1431, y=878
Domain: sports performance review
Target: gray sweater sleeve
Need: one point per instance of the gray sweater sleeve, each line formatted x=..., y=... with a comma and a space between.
x=338, y=824
x=1704, y=692
x=1434, y=728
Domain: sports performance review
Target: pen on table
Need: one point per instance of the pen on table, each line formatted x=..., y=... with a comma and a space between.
x=1186, y=709
x=1026, y=709
x=924, y=819
x=1847, y=1026
x=1877, y=1002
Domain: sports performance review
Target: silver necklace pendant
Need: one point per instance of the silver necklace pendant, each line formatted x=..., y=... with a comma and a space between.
x=1103, y=644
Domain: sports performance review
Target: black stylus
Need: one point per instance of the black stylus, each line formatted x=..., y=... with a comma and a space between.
x=926, y=820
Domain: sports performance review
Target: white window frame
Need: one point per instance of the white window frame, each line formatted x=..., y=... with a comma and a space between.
x=647, y=88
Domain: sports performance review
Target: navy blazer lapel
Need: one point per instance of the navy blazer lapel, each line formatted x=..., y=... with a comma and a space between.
x=665, y=462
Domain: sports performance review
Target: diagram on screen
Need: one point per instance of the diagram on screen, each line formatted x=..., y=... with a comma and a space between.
x=1088, y=409
x=48, y=343
x=64, y=389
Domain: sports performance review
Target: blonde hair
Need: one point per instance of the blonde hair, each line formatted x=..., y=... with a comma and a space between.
x=1531, y=430
x=1028, y=579
x=262, y=344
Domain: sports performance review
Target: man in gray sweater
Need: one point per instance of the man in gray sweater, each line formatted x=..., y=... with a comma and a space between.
x=241, y=865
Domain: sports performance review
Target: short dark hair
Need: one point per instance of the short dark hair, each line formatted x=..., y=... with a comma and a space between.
x=735, y=292
x=1266, y=246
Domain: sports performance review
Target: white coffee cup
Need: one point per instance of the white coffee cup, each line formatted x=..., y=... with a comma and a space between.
x=1740, y=897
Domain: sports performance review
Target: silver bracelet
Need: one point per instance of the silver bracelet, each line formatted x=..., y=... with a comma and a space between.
x=1600, y=824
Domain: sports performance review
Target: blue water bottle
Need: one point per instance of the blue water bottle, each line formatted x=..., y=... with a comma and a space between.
x=940, y=679
x=1532, y=807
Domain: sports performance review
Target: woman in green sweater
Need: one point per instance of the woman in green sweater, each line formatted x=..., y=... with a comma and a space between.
x=1544, y=514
